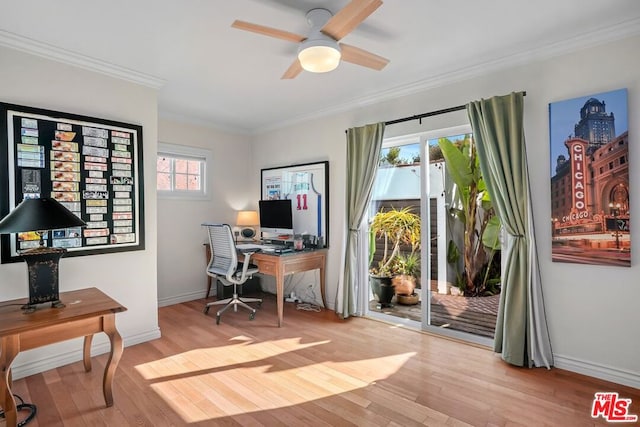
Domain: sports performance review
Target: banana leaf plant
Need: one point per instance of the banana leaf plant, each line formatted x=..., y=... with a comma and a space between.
x=473, y=208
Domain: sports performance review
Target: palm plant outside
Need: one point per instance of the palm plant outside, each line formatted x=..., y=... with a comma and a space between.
x=473, y=208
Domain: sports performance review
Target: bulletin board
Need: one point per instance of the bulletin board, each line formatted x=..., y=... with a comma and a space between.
x=307, y=185
x=92, y=166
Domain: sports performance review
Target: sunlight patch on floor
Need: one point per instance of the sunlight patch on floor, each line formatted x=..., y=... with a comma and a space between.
x=242, y=338
x=237, y=379
x=215, y=358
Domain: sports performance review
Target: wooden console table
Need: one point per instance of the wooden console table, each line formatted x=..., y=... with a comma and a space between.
x=280, y=265
x=87, y=311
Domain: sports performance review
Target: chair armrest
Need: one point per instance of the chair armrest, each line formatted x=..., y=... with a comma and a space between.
x=249, y=251
x=246, y=263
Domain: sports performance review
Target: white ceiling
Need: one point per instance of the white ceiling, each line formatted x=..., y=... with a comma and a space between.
x=208, y=72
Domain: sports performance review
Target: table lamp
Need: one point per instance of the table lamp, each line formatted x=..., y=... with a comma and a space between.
x=41, y=215
x=247, y=220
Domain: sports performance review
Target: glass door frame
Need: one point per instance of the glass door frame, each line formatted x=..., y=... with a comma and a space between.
x=425, y=254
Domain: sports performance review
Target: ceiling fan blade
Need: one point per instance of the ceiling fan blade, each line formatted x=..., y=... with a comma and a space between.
x=294, y=69
x=268, y=31
x=358, y=56
x=349, y=17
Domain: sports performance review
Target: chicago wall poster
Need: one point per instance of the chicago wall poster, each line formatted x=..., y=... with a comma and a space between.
x=590, y=179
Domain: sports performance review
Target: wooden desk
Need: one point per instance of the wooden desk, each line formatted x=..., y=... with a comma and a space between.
x=280, y=265
x=87, y=311
x=289, y=263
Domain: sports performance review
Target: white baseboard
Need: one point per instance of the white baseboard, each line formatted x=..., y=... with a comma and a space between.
x=608, y=373
x=57, y=360
x=177, y=299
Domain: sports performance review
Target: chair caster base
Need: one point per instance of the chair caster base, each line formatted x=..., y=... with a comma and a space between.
x=233, y=303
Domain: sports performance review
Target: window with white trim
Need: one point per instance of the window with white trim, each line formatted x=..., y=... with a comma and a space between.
x=182, y=171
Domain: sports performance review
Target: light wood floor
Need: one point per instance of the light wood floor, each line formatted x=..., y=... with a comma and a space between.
x=315, y=371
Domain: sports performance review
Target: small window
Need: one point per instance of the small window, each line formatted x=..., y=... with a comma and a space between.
x=182, y=171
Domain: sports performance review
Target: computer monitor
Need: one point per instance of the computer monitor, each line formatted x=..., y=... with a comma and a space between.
x=276, y=216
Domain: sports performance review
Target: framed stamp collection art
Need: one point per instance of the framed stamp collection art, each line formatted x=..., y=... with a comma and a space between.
x=92, y=166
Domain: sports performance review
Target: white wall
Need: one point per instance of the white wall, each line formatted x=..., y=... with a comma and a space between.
x=181, y=258
x=128, y=277
x=591, y=310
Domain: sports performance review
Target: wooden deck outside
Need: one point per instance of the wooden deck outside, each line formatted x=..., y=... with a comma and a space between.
x=475, y=315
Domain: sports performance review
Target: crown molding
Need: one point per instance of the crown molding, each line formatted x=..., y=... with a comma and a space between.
x=585, y=40
x=48, y=51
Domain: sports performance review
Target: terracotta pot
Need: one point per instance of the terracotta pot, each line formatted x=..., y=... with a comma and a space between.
x=404, y=284
x=408, y=299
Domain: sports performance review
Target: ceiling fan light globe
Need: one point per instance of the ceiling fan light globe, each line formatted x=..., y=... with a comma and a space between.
x=319, y=59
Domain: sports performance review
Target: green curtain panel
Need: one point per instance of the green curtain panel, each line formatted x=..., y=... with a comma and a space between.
x=363, y=150
x=521, y=336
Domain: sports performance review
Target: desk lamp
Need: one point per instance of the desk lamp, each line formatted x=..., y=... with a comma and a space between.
x=247, y=220
x=41, y=215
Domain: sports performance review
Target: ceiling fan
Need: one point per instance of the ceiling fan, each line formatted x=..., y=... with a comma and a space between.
x=320, y=51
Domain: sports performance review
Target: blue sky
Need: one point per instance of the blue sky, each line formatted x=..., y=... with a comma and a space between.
x=564, y=115
x=409, y=151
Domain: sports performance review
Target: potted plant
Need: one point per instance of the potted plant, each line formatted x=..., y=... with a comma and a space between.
x=380, y=282
x=407, y=269
x=395, y=227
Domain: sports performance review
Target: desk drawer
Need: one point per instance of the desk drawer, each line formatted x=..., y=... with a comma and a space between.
x=299, y=264
x=265, y=267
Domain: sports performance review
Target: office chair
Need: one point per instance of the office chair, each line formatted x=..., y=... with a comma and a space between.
x=225, y=267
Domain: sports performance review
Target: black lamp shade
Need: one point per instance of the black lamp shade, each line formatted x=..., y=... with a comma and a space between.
x=39, y=214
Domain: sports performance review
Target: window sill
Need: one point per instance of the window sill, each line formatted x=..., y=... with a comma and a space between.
x=171, y=195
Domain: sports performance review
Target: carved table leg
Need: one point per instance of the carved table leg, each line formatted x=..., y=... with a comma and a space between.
x=109, y=327
x=86, y=353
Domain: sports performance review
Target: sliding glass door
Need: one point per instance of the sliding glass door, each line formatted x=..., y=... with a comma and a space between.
x=416, y=252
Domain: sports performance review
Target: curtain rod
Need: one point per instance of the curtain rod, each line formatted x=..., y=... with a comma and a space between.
x=430, y=114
